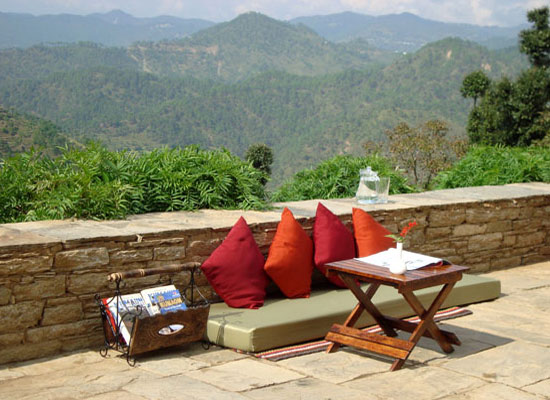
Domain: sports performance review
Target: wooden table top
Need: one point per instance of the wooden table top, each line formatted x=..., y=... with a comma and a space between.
x=410, y=280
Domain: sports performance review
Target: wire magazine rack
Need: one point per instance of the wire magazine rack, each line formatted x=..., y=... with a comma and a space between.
x=147, y=331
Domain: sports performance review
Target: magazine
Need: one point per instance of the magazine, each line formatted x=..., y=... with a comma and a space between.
x=163, y=299
x=412, y=260
x=131, y=305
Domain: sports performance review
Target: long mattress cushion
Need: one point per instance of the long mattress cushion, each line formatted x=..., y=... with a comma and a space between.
x=282, y=322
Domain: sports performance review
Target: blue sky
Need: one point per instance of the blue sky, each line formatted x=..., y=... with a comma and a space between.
x=479, y=12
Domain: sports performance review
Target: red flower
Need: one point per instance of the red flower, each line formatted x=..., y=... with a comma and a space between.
x=407, y=228
x=404, y=231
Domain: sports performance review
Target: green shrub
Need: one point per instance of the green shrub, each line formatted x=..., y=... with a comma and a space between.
x=338, y=177
x=498, y=165
x=100, y=184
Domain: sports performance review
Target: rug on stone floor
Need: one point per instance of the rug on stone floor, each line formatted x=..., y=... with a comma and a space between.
x=321, y=345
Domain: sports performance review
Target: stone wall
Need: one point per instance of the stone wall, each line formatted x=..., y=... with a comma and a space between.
x=48, y=281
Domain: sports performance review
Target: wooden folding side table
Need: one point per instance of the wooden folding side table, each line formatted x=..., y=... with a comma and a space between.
x=352, y=271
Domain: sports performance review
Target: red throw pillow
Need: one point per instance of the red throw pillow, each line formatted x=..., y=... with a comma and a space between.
x=290, y=259
x=332, y=241
x=370, y=236
x=235, y=269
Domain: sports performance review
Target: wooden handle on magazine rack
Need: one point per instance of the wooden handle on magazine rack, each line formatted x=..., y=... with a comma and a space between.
x=138, y=273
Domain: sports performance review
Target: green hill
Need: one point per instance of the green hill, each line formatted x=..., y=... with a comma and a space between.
x=304, y=119
x=19, y=133
x=252, y=43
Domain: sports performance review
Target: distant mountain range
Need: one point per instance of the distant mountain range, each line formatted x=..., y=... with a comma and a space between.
x=394, y=32
x=233, y=51
x=405, y=32
x=115, y=28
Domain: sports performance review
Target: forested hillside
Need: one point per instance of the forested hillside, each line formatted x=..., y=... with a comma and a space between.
x=250, y=44
x=304, y=119
x=20, y=133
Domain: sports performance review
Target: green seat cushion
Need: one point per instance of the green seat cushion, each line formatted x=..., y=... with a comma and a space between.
x=282, y=322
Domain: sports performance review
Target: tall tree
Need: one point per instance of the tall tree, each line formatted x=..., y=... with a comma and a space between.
x=535, y=42
x=475, y=85
x=517, y=112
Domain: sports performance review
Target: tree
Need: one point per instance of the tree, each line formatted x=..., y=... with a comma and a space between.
x=261, y=157
x=475, y=85
x=423, y=151
x=535, y=42
x=515, y=113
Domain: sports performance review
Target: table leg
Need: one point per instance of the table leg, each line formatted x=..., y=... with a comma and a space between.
x=355, y=314
x=426, y=322
x=426, y=317
x=365, y=300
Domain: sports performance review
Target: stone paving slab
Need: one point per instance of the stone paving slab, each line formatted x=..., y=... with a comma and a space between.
x=541, y=388
x=307, y=389
x=245, y=374
x=505, y=355
x=522, y=278
x=494, y=391
x=341, y=366
x=516, y=364
x=177, y=387
x=419, y=383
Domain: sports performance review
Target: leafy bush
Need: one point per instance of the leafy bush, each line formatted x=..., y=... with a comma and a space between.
x=97, y=183
x=498, y=165
x=338, y=177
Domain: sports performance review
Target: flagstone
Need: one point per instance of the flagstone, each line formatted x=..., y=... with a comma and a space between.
x=542, y=388
x=245, y=374
x=307, y=389
x=117, y=395
x=516, y=364
x=178, y=387
x=342, y=366
x=419, y=383
x=494, y=391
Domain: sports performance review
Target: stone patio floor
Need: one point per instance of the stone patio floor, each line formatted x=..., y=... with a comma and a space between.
x=505, y=354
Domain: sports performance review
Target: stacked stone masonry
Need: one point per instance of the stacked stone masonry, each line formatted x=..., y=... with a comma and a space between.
x=47, y=286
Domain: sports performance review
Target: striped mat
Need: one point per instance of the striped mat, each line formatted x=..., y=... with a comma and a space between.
x=321, y=345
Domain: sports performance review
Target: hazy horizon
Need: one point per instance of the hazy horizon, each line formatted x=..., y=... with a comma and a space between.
x=504, y=13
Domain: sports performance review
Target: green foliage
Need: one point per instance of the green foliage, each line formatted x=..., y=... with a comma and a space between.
x=513, y=112
x=535, y=42
x=260, y=156
x=338, y=177
x=517, y=112
x=100, y=184
x=423, y=151
x=20, y=132
x=475, y=85
x=498, y=165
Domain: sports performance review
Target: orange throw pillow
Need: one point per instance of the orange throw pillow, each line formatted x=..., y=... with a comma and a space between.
x=370, y=236
x=290, y=259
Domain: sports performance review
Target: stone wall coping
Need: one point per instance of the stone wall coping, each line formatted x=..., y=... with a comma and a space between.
x=48, y=233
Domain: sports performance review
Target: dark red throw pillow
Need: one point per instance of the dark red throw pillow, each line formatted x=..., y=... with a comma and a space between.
x=370, y=235
x=332, y=241
x=235, y=269
x=290, y=259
